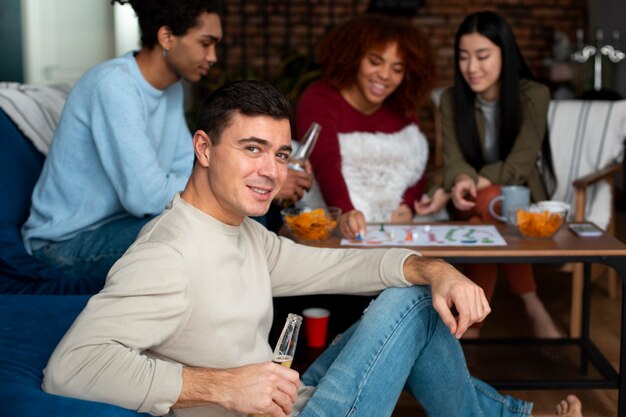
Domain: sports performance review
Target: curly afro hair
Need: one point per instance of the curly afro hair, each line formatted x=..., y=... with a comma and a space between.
x=340, y=53
x=178, y=15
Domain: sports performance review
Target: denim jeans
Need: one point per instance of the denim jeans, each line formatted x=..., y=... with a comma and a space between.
x=400, y=343
x=92, y=253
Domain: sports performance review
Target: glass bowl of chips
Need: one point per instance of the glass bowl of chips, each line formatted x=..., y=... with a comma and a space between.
x=539, y=221
x=311, y=224
x=552, y=205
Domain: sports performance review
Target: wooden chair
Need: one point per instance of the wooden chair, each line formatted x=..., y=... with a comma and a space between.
x=587, y=139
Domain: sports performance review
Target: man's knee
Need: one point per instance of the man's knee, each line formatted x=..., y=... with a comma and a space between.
x=394, y=299
x=414, y=291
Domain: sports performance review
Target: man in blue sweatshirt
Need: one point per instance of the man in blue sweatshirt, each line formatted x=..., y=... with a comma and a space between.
x=122, y=148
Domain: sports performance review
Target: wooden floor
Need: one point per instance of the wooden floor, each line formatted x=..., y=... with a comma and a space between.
x=509, y=320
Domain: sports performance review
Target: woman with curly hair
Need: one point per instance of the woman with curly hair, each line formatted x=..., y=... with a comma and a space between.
x=370, y=157
x=122, y=148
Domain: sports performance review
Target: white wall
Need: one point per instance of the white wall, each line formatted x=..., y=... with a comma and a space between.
x=126, y=28
x=64, y=38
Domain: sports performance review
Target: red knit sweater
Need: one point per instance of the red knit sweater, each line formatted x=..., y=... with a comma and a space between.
x=323, y=104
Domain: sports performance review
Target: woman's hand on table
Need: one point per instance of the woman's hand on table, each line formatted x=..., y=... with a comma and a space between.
x=464, y=192
x=429, y=205
x=402, y=214
x=352, y=223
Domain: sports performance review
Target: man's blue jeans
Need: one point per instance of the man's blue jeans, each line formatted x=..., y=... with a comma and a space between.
x=92, y=253
x=400, y=343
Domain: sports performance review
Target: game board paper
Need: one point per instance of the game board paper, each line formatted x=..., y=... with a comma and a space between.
x=426, y=235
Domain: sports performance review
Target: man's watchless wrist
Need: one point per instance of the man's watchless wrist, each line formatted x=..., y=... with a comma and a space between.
x=420, y=270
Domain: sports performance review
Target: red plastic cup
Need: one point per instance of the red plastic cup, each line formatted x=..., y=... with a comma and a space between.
x=316, y=326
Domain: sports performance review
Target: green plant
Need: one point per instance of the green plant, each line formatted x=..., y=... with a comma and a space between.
x=294, y=74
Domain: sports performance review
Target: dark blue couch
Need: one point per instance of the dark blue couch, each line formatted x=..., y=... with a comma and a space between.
x=32, y=325
x=21, y=273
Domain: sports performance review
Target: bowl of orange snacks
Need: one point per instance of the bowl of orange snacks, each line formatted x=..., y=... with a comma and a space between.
x=539, y=221
x=311, y=224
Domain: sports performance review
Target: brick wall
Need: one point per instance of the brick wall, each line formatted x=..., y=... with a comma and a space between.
x=259, y=33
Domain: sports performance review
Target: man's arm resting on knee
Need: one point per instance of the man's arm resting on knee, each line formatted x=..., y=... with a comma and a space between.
x=258, y=388
x=449, y=287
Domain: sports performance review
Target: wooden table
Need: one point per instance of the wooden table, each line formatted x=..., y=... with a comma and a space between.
x=564, y=247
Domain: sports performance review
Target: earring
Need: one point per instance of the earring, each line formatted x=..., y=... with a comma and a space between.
x=166, y=52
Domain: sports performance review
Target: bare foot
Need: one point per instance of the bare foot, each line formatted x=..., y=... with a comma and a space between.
x=543, y=326
x=568, y=407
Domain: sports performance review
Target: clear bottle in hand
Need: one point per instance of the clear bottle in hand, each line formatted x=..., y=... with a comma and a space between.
x=303, y=151
x=286, y=346
x=305, y=147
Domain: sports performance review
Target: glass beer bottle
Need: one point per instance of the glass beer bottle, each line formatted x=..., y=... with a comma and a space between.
x=301, y=154
x=306, y=145
x=286, y=346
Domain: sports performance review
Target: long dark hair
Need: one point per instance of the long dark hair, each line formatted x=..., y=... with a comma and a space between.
x=514, y=68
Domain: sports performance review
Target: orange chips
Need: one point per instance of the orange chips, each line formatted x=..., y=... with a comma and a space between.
x=538, y=224
x=311, y=225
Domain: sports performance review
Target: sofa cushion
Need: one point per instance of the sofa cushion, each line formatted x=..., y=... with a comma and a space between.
x=32, y=326
x=20, y=166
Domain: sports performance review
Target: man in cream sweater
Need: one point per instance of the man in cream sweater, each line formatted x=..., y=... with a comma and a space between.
x=182, y=324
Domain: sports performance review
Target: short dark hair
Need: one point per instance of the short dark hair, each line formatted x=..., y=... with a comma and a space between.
x=178, y=15
x=247, y=97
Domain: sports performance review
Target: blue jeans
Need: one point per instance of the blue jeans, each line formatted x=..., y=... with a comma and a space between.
x=92, y=253
x=400, y=343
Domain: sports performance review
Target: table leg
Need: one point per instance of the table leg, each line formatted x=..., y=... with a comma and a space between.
x=619, y=264
x=586, y=309
x=621, y=398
